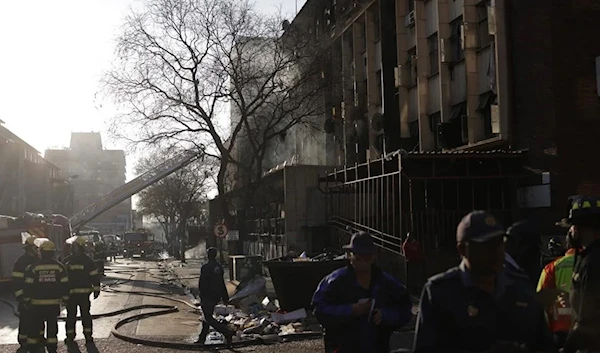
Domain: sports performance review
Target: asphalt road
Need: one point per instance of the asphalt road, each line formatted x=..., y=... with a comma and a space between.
x=127, y=275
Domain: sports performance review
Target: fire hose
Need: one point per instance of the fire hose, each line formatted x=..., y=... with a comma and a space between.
x=161, y=310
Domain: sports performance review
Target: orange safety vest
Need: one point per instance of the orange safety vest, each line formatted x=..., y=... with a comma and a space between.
x=558, y=275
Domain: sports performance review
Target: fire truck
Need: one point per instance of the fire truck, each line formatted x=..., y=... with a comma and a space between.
x=14, y=230
x=138, y=242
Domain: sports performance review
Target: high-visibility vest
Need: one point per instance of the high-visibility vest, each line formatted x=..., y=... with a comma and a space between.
x=558, y=275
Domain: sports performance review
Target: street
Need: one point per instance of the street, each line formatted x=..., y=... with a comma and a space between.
x=163, y=278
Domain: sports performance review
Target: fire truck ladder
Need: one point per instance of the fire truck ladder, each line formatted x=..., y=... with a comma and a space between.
x=133, y=187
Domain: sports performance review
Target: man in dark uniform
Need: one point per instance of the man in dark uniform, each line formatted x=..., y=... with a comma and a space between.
x=212, y=290
x=477, y=306
x=584, y=223
x=18, y=280
x=523, y=244
x=83, y=280
x=46, y=287
x=359, y=306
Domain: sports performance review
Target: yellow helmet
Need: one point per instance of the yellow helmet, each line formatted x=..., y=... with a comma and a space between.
x=30, y=241
x=81, y=241
x=48, y=246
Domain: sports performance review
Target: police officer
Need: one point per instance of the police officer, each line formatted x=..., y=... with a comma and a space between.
x=18, y=279
x=212, y=289
x=477, y=306
x=359, y=306
x=83, y=280
x=46, y=287
x=522, y=250
x=584, y=223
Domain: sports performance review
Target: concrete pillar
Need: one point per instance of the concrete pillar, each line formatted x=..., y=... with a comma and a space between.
x=372, y=67
x=444, y=30
x=425, y=135
x=475, y=119
x=402, y=35
x=502, y=68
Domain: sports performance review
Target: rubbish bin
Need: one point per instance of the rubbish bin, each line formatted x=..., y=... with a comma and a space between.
x=244, y=267
x=296, y=282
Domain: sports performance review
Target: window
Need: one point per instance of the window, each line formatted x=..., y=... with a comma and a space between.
x=412, y=70
x=414, y=129
x=483, y=34
x=411, y=5
x=434, y=122
x=434, y=57
x=486, y=101
x=376, y=25
x=458, y=53
x=379, y=88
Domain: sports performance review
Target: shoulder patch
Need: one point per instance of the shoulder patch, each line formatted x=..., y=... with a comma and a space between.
x=217, y=270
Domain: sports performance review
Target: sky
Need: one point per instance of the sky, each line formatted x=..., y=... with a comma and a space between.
x=52, y=56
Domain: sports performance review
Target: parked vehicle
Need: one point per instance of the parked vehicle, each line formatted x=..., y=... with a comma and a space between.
x=138, y=242
x=14, y=230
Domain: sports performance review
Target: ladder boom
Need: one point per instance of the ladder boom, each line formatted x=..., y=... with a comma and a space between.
x=138, y=184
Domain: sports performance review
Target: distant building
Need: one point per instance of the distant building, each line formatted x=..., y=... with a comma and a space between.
x=94, y=172
x=25, y=177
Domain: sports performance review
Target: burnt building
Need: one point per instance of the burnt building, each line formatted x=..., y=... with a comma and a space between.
x=455, y=105
x=94, y=172
x=25, y=176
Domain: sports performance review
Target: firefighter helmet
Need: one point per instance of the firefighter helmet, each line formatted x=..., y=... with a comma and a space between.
x=48, y=246
x=581, y=210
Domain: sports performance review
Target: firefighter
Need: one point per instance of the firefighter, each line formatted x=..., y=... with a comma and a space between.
x=46, y=287
x=557, y=276
x=84, y=279
x=18, y=277
x=583, y=221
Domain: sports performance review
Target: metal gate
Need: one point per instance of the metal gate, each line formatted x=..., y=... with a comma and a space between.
x=424, y=193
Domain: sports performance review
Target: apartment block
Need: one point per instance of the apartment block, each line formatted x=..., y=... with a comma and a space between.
x=94, y=172
x=26, y=178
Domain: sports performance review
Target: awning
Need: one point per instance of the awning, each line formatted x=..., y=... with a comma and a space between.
x=486, y=99
x=458, y=111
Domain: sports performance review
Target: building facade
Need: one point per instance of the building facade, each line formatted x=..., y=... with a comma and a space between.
x=94, y=172
x=26, y=178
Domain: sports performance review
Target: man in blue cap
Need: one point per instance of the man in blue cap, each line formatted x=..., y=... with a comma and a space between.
x=477, y=306
x=359, y=306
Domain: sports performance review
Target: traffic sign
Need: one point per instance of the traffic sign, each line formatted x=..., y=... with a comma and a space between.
x=221, y=230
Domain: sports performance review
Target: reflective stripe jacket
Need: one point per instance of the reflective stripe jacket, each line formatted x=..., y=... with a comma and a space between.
x=83, y=274
x=46, y=283
x=558, y=275
x=18, y=274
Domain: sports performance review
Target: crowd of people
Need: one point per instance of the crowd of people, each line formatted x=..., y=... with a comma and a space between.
x=488, y=303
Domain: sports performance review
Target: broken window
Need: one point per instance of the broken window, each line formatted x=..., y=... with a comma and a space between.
x=434, y=56
x=458, y=53
x=483, y=32
x=486, y=101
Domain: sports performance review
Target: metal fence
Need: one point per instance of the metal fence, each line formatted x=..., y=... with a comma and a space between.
x=423, y=194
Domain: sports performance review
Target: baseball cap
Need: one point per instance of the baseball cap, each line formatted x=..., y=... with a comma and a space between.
x=361, y=244
x=478, y=226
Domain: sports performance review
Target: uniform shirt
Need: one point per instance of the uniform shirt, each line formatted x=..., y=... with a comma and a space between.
x=333, y=301
x=558, y=274
x=83, y=274
x=46, y=283
x=457, y=316
x=18, y=273
x=211, y=284
x=585, y=300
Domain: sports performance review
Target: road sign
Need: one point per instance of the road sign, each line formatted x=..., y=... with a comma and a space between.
x=221, y=230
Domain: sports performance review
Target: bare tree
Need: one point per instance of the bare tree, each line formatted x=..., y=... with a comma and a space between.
x=182, y=64
x=176, y=199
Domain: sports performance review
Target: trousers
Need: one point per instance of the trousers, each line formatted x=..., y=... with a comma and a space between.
x=44, y=315
x=208, y=308
x=81, y=301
